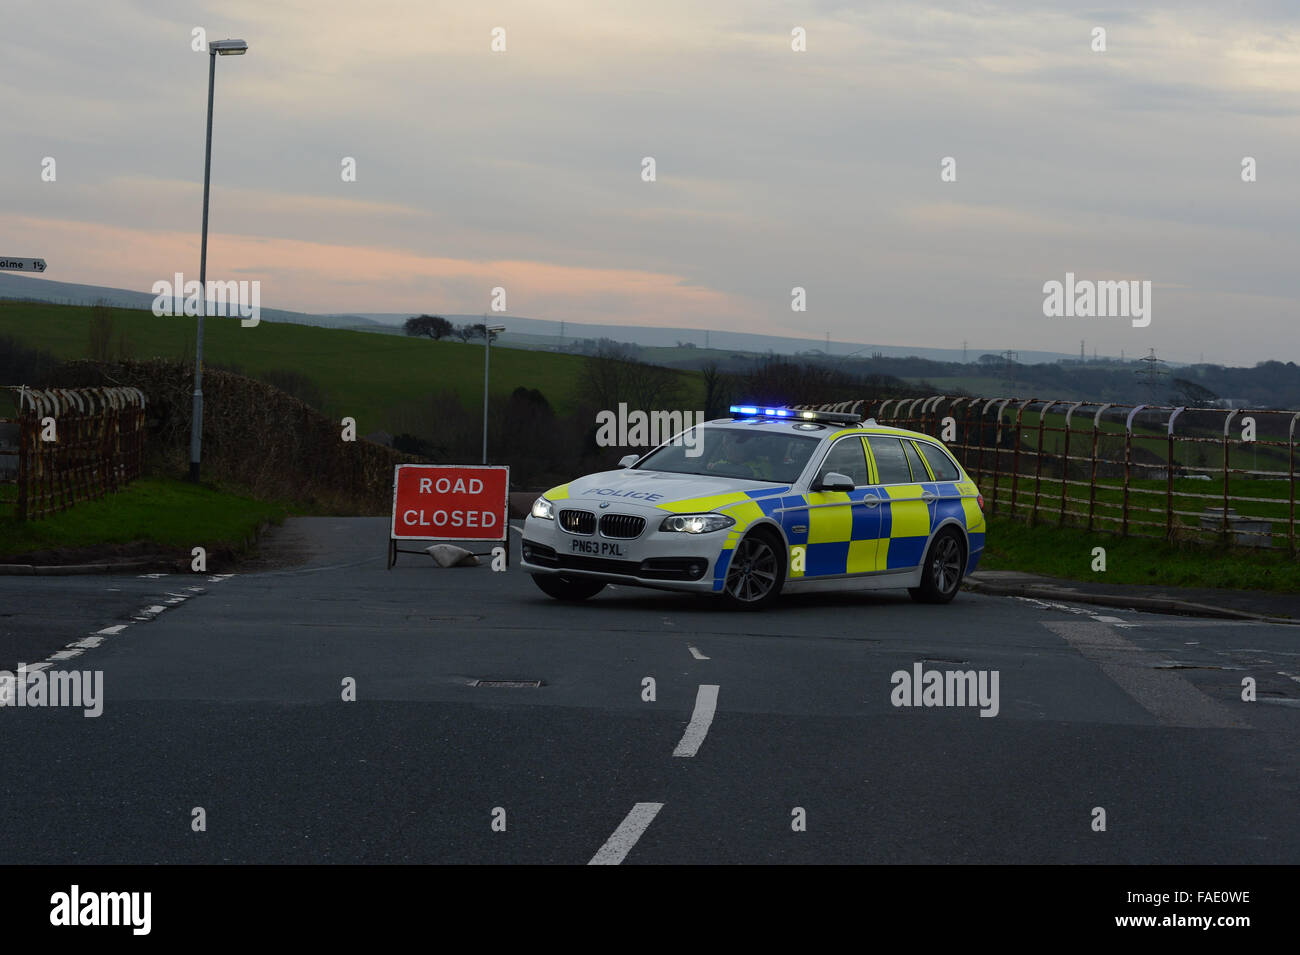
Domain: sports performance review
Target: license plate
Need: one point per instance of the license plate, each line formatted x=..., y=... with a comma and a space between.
x=598, y=548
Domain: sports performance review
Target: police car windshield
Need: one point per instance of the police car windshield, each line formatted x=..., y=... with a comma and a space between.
x=734, y=453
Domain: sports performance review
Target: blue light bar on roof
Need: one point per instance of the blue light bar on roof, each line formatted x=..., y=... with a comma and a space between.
x=829, y=417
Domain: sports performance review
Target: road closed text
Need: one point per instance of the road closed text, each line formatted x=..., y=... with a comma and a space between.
x=444, y=518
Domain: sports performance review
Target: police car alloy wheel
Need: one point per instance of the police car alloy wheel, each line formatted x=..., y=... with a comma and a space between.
x=755, y=574
x=942, y=574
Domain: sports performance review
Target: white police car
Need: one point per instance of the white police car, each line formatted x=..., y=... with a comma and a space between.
x=768, y=501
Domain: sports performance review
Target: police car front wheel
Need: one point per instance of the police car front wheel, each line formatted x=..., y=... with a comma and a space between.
x=568, y=588
x=755, y=574
x=941, y=575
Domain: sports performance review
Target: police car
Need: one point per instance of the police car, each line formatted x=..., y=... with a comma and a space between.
x=769, y=501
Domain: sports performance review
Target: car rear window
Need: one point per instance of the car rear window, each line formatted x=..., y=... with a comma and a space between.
x=919, y=473
x=891, y=460
x=943, y=466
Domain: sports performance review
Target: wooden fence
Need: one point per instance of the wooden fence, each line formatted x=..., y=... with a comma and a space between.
x=1228, y=475
x=74, y=444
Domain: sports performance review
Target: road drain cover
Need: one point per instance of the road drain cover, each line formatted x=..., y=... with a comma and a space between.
x=507, y=684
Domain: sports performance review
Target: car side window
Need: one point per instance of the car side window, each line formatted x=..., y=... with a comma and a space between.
x=943, y=467
x=847, y=458
x=919, y=473
x=891, y=460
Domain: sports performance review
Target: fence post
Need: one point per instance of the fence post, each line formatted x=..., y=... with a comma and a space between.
x=1092, y=491
x=1169, y=479
x=1015, y=457
x=1065, y=461
x=1291, y=470
x=1038, y=463
x=1227, y=423
x=1128, y=463
x=997, y=452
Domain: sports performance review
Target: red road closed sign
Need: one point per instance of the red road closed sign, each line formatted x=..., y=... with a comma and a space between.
x=450, y=502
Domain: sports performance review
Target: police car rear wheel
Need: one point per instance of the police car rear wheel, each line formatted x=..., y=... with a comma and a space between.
x=755, y=574
x=568, y=588
x=941, y=576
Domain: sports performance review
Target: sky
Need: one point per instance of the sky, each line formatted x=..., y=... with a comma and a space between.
x=820, y=169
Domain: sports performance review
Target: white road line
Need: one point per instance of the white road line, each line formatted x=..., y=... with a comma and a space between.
x=65, y=654
x=88, y=644
x=696, y=653
x=706, y=702
x=109, y=631
x=618, y=845
x=1113, y=621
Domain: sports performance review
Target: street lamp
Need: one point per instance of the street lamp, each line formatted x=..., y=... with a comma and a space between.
x=488, y=330
x=225, y=48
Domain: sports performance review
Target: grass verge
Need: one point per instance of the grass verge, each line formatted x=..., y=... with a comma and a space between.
x=171, y=514
x=1067, y=552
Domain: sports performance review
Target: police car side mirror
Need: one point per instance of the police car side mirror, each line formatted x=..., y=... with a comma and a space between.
x=628, y=460
x=834, y=481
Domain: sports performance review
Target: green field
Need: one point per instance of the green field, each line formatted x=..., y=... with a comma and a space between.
x=171, y=514
x=1147, y=502
x=371, y=377
x=1067, y=552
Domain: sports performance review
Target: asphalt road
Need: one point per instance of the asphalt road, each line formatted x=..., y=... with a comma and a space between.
x=230, y=699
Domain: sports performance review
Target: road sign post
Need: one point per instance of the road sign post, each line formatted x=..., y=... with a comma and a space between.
x=22, y=265
x=449, y=502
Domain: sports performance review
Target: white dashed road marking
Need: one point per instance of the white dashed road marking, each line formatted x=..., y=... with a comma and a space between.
x=706, y=703
x=109, y=631
x=696, y=653
x=618, y=845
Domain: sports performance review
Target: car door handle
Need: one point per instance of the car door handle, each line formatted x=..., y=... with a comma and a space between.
x=870, y=500
x=928, y=497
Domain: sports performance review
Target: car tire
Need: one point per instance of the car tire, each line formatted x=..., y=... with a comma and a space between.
x=756, y=572
x=568, y=589
x=941, y=575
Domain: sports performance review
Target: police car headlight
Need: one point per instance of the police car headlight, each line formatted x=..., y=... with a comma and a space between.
x=696, y=523
x=544, y=509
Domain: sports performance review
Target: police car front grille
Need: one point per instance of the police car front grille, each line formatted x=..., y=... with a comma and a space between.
x=622, y=526
x=578, y=522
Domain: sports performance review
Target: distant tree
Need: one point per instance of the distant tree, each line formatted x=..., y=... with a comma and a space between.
x=716, y=386
x=609, y=377
x=100, y=329
x=429, y=326
x=1190, y=394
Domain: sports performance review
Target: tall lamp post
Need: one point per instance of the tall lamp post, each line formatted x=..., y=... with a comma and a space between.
x=488, y=331
x=224, y=48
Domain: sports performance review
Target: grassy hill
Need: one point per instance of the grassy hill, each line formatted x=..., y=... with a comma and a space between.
x=372, y=378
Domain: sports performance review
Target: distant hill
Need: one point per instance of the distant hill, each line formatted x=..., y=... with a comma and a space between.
x=525, y=332
x=534, y=332
x=29, y=288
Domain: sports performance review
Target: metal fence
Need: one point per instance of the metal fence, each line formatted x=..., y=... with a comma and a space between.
x=71, y=444
x=1213, y=474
